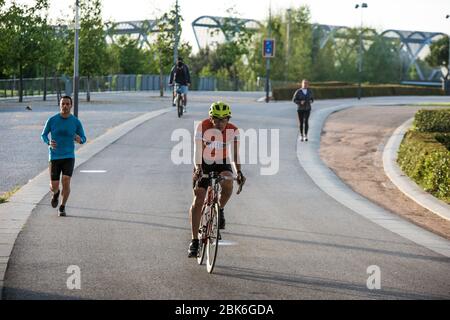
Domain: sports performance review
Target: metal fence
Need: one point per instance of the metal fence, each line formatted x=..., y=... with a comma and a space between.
x=119, y=82
x=32, y=86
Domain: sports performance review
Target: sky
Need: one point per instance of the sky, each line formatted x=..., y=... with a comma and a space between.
x=414, y=15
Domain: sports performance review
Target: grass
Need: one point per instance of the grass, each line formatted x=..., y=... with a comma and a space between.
x=4, y=197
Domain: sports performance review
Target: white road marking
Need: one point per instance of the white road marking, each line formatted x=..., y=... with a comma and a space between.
x=93, y=171
x=227, y=243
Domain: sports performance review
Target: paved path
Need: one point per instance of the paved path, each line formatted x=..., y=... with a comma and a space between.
x=128, y=231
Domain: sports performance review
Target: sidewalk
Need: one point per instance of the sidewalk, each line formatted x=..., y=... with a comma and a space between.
x=354, y=142
x=14, y=214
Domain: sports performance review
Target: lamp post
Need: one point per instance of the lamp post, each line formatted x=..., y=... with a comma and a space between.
x=446, y=79
x=448, y=64
x=362, y=6
x=288, y=31
x=175, y=48
x=268, y=59
x=75, y=62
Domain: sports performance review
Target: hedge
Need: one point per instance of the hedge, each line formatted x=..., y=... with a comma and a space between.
x=444, y=138
x=334, y=90
x=425, y=156
x=432, y=120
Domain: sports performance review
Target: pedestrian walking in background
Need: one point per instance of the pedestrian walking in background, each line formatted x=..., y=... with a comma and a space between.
x=303, y=98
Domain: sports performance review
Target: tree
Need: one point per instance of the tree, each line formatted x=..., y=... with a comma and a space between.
x=383, y=55
x=93, y=53
x=165, y=41
x=4, y=48
x=202, y=59
x=229, y=54
x=285, y=66
x=323, y=58
x=50, y=50
x=21, y=35
x=129, y=58
x=438, y=56
x=300, y=59
x=346, y=52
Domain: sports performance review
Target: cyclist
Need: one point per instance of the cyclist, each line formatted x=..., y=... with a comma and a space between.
x=216, y=148
x=180, y=75
x=64, y=129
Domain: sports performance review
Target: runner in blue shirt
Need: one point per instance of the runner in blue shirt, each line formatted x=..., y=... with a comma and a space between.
x=65, y=129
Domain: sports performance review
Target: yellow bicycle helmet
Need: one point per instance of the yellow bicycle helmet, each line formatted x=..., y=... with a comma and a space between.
x=220, y=110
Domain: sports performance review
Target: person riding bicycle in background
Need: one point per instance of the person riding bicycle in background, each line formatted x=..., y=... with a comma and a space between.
x=215, y=138
x=181, y=76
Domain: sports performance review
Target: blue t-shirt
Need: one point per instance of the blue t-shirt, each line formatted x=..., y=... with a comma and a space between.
x=63, y=131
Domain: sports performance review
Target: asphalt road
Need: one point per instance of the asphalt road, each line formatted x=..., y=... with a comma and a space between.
x=127, y=229
x=23, y=155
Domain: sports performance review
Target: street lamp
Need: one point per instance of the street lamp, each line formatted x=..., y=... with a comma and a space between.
x=448, y=65
x=175, y=47
x=268, y=59
x=362, y=6
x=288, y=31
x=75, y=58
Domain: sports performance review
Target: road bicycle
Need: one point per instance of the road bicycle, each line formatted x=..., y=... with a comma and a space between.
x=208, y=233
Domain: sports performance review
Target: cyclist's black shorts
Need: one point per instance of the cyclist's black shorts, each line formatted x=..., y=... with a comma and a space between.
x=217, y=167
x=61, y=165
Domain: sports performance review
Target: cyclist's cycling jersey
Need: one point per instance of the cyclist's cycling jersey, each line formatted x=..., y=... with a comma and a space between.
x=215, y=144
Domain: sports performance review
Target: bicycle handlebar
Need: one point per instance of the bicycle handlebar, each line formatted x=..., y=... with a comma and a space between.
x=220, y=178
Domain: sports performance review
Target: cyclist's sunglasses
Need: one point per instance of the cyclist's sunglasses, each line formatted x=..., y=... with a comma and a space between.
x=221, y=119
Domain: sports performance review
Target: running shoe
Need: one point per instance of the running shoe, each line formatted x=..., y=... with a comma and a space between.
x=55, y=199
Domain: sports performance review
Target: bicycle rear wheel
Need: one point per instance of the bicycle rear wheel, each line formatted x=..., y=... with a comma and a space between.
x=212, y=244
x=202, y=236
x=179, y=105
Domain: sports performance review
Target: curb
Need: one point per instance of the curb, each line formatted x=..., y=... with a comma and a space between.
x=15, y=213
x=403, y=182
x=309, y=158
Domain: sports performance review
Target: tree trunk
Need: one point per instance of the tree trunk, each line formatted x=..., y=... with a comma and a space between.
x=58, y=91
x=161, y=81
x=45, y=84
x=88, y=89
x=236, y=82
x=20, y=83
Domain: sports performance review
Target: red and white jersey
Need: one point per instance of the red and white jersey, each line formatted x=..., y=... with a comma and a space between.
x=216, y=144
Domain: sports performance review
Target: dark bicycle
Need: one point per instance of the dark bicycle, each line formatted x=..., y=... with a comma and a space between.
x=178, y=100
x=208, y=233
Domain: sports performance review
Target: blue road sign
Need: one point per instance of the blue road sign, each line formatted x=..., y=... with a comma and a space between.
x=269, y=48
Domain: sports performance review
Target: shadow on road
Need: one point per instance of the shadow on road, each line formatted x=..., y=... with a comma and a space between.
x=348, y=247
x=320, y=284
x=21, y=294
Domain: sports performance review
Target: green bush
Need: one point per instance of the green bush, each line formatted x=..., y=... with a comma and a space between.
x=432, y=120
x=444, y=138
x=427, y=161
x=333, y=90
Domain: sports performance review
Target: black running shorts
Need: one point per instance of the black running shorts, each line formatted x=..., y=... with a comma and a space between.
x=217, y=167
x=61, y=165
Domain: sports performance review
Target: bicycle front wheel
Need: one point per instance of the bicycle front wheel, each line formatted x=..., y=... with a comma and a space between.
x=212, y=244
x=202, y=236
x=180, y=106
